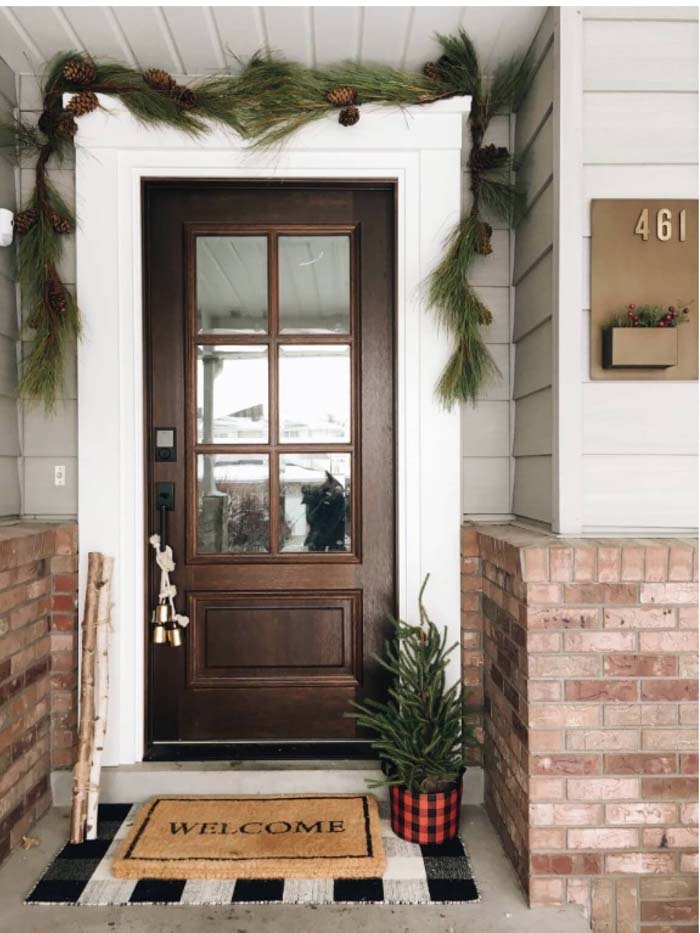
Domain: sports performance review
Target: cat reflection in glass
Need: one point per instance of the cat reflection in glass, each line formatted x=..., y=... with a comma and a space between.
x=325, y=515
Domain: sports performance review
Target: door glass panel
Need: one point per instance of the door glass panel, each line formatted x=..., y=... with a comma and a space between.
x=232, y=284
x=315, y=502
x=314, y=284
x=314, y=393
x=233, y=503
x=232, y=391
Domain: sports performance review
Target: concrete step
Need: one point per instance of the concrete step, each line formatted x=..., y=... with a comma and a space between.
x=136, y=783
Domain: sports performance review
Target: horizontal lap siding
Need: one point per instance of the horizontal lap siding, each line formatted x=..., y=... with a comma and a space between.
x=9, y=428
x=533, y=290
x=640, y=141
x=486, y=428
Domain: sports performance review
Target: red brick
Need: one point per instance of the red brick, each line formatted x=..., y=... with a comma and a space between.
x=544, y=593
x=560, y=864
x=689, y=764
x=656, y=564
x=640, y=764
x=63, y=603
x=679, y=911
x=689, y=814
x=609, y=564
x=668, y=593
x=641, y=813
x=639, y=665
x=608, y=690
x=664, y=740
x=562, y=618
x=688, y=617
x=669, y=642
x=632, y=564
x=651, y=888
x=584, y=564
x=603, y=788
x=565, y=764
x=672, y=690
x=626, y=905
x=680, y=564
x=67, y=539
x=68, y=582
x=669, y=788
x=638, y=617
x=602, y=838
x=601, y=593
x=578, y=814
x=600, y=641
x=64, y=623
x=546, y=891
x=670, y=837
x=561, y=564
x=640, y=863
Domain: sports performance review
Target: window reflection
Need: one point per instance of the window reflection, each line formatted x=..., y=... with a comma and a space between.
x=232, y=395
x=232, y=284
x=314, y=284
x=233, y=504
x=314, y=393
x=315, y=502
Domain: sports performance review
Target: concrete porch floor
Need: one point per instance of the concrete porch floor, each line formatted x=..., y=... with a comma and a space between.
x=502, y=908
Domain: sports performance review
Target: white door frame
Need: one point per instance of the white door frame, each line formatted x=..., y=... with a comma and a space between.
x=419, y=148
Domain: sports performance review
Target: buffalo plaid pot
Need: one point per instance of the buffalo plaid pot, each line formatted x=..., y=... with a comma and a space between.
x=428, y=819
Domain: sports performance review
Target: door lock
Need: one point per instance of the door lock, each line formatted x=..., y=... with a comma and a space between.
x=166, y=451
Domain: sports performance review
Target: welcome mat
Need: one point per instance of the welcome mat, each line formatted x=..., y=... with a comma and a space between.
x=281, y=836
x=81, y=875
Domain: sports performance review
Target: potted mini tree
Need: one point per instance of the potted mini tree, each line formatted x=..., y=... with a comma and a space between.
x=419, y=733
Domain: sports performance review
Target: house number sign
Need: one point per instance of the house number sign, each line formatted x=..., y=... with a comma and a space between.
x=644, y=251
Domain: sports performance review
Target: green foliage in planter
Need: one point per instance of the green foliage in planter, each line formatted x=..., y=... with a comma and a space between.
x=419, y=730
x=651, y=316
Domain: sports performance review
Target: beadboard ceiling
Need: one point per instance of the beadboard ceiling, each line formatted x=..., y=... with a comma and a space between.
x=190, y=40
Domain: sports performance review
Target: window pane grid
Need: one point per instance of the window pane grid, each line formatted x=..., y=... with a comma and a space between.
x=304, y=431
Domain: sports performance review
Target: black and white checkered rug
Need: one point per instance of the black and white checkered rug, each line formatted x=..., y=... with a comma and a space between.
x=81, y=876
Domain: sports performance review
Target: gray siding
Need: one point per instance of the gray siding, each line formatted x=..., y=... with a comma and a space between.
x=9, y=427
x=534, y=291
x=50, y=440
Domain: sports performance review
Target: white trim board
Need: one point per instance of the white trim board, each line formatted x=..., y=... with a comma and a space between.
x=419, y=148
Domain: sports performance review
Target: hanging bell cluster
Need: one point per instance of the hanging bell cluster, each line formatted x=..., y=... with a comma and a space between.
x=165, y=629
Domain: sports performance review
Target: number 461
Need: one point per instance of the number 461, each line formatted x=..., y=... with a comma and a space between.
x=664, y=224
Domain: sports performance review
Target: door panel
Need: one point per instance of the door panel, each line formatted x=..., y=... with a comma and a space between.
x=269, y=341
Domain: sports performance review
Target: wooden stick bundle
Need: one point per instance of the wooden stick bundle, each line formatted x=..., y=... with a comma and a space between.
x=96, y=604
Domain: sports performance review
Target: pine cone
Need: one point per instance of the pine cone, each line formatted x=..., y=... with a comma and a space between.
x=185, y=97
x=484, y=247
x=79, y=71
x=25, y=220
x=341, y=96
x=159, y=79
x=66, y=125
x=83, y=103
x=486, y=157
x=431, y=70
x=60, y=224
x=57, y=298
x=349, y=116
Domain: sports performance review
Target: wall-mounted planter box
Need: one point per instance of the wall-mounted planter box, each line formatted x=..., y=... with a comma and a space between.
x=640, y=347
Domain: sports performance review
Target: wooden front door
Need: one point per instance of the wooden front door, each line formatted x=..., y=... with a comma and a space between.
x=270, y=371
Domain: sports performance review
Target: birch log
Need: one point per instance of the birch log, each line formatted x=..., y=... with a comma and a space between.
x=104, y=606
x=81, y=771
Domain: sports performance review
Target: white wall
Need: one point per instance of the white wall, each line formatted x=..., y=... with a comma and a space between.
x=533, y=288
x=640, y=139
x=9, y=434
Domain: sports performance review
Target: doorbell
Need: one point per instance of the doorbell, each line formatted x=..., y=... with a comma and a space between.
x=7, y=224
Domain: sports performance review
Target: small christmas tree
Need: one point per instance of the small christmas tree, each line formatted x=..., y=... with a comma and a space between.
x=419, y=730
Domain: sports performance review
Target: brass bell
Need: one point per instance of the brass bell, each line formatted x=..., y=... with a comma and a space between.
x=174, y=633
x=160, y=619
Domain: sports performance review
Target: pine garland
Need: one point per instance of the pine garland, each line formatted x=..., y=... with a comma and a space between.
x=267, y=101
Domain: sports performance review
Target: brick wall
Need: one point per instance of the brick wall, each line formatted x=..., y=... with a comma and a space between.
x=38, y=669
x=590, y=688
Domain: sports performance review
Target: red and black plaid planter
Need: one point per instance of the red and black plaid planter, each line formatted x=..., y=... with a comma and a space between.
x=428, y=819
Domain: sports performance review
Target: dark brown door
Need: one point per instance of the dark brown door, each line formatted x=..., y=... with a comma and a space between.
x=269, y=351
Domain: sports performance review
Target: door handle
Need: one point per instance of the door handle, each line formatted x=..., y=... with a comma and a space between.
x=166, y=623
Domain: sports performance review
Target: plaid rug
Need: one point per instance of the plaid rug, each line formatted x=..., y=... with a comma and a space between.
x=425, y=874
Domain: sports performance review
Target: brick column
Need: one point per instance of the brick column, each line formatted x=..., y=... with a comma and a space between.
x=590, y=690
x=28, y=692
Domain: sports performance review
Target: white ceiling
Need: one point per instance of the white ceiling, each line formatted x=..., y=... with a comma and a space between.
x=196, y=40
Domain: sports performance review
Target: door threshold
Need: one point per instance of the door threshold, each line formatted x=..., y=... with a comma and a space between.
x=260, y=751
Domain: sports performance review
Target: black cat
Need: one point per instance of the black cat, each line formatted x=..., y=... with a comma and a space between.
x=325, y=515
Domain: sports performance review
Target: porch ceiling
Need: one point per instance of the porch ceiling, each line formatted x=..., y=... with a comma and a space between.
x=196, y=40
